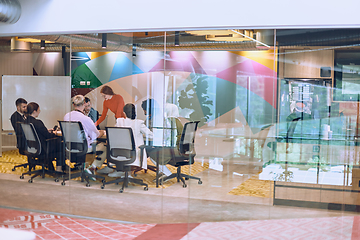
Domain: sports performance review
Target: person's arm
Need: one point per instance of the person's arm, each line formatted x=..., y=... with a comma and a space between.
x=91, y=129
x=103, y=115
x=42, y=130
x=120, y=108
x=146, y=131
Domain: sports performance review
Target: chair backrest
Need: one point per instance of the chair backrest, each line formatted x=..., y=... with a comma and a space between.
x=175, y=124
x=74, y=138
x=186, y=145
x=32, y=141
x=121, y=145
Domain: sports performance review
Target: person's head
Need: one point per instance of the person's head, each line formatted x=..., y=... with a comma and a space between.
x=33, y=109
x=21, y=105
x=106, y=92
x=78, y=102
x=299, y=106
x=129, y=110
x=148, y=106
x=87, y=105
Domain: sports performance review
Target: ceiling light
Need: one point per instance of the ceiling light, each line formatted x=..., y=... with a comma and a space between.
x=235, y=31
x=104, y=40
x=33, y=40
x=42, y=44
x=177, y=38
x=224, y=35
x=134, y=50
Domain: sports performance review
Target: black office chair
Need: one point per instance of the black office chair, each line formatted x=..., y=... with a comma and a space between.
x=76, y=148
x=20, y=144
x=122, y=152
x=177, y=156
x=36, y=155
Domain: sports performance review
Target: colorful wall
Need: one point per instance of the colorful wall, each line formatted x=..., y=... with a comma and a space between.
x=211, y=86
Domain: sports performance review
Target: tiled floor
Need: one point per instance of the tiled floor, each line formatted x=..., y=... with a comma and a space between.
x=51, y=227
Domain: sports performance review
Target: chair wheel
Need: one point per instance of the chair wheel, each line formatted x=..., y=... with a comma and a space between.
x=63, y=183
x=121, y=191
x=186, y=178
x=21, y=177
x=146, y=188
x=88, y=185
x=13, y=169
x=102, y=187
x=117, y=183
x=56, y=180
x=199, y=182
x=184, y=186
x=30, y=181
x=103, y=181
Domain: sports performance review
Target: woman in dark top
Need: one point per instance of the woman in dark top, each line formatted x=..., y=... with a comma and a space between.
x=33, y=111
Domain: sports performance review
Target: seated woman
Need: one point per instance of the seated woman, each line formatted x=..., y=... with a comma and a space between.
x=139, y=129
x=33, y=111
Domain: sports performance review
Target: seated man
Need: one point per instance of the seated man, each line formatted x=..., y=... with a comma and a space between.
x=16, y=118
x=90, y=129
x=90, y=111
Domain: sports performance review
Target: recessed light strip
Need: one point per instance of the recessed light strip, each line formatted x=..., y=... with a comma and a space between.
x=250, y=38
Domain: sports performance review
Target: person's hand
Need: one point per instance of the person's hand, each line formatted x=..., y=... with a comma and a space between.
x=102, y=133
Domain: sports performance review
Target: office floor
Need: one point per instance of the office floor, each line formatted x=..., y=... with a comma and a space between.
x=208, y=206
x=51, y=227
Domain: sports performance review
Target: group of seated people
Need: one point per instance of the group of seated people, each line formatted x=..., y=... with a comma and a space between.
x=90, y=120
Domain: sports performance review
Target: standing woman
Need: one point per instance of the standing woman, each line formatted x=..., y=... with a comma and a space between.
x=33, y=111
x=114, y=102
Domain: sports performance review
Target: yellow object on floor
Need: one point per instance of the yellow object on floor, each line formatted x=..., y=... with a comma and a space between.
x=254, y=187
x=193, y=169
x=11, y=158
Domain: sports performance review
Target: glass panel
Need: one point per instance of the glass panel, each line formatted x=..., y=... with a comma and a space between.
x=128, y=71
x=277, y=123
x=35, y=85
x=227, y=81
x=314, y=146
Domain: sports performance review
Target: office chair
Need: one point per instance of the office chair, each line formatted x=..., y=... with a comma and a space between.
x=177, y=156
x=35, y=153
x=76, y=148
x=176, y=129
x=122, y=152
x=20, y=144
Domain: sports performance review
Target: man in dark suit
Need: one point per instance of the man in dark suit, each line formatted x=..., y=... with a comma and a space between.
x=16, y=118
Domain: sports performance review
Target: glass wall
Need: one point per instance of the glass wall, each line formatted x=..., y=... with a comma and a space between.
x=276, y=115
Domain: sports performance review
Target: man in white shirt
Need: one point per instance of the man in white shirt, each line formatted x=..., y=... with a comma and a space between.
x=91, y=132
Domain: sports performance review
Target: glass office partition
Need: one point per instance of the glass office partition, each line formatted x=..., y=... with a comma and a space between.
x=230, y=87
x=277, y=117
x=35, y=89
x=314, y=146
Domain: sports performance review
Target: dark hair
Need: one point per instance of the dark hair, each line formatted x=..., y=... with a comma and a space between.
x=19, y=101
x=129, y=110
x=87, y=99
x=148, y=105
x=107, y=90
x=31, y=107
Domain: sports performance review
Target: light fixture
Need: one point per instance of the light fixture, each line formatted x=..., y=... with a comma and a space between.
x=248, y=37
x=42, y=44
x=63, y=51
x=177, y=38
x=104, y=40
x=134, y=50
